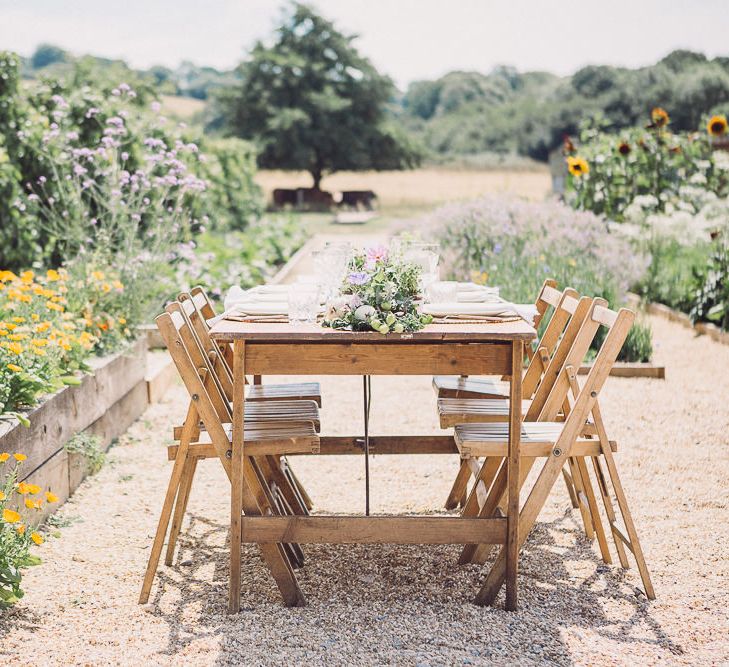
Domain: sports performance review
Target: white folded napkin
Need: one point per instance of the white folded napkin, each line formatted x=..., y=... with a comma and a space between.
x=478, y=296
x=499, y=309
x=260, y=308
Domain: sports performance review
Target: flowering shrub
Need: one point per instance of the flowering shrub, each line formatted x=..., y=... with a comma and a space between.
x=515, y=245
x=218, y=260
x=16, y=533
x=645, y=170
x=378, y=294
x=49, y=324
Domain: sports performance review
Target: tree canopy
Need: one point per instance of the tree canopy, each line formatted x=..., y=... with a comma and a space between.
x=311, y=101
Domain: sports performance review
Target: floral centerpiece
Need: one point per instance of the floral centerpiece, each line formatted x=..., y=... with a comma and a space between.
x=379, y=293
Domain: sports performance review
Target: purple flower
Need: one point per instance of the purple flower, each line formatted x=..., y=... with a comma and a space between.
x=358, y=278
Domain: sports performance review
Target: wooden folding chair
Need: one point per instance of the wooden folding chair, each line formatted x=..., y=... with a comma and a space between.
x=559, y=441
x=561, y=329
x=287, y=488
x=310, y=391
x=210, y=405
x=461, y=386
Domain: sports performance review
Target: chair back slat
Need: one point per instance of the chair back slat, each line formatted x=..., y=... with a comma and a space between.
x=599, y=315
x=619, y=325
x=170, y=325
x=550, y=377
x=212, y=350
x=201, y=364
x=548, y=342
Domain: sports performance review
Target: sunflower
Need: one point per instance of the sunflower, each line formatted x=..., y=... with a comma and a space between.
x=717, y=126
x=659, y=117
x=624, y=148
x=577, y=166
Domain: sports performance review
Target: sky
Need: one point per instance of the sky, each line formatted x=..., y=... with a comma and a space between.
x=407, y=39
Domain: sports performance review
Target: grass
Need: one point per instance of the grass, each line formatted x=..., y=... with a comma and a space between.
x=408, y=194
x=182, y=108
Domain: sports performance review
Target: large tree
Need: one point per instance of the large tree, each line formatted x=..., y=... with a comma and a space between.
x=311, y=101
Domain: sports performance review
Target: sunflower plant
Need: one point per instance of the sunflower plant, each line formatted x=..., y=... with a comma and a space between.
x=379, y=293
x=649, y=169
x=19, y=502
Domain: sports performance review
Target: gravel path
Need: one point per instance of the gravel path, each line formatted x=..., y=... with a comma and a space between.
x=395, y=604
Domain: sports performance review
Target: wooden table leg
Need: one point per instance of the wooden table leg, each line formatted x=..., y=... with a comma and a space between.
x=236, y=474
x=513, y=461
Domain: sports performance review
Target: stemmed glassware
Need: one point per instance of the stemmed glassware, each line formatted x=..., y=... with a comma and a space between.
x=331, y=264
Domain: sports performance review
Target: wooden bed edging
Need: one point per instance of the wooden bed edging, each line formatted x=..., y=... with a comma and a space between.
x=705, y=328
x=105, y=404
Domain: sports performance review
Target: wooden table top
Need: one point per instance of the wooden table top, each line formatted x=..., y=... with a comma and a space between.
x=486, y=332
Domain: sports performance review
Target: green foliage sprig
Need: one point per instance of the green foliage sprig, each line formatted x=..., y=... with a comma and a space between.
x=379, y=294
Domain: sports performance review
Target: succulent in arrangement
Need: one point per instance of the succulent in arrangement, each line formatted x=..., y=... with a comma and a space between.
x=379, y=293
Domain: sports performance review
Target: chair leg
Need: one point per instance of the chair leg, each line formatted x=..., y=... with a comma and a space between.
x=460, y=486
x=183, y=495
x=609, y=511
x=289, y=491
x=581, y=499
x=164, y=520
x=570, y=487
x=297, y=485
x=486, y=475
x=594, y=511
x=634, y=542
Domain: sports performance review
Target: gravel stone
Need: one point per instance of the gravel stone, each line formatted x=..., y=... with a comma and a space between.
x=390, y=604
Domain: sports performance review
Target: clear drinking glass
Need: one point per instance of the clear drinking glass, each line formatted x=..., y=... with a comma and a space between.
x=426, y=256
x=303, y=303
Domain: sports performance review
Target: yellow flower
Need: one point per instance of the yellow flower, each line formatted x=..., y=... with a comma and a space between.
x=23, y=488
x=39, y=342
x=18, y=320
x=34, y=489
x=43, y=326
x=19, y=457
x=2, y=495
x=35, y=317
x=15, y=368
x=52, y=275
x=15, y=348
x=106, y=288
x=29, y=503
x=54, y=306
x=122, y=320
x=51, y=497
x=97, y=275
x=717, y=126
x=10, y=327
x=6, y=276
x=17, y=336
x=27, y=277
x=21, y=529
x=36, y=538
x=660, y=117
x=3, y=332
x=4, y=457
x=117, y=285
x=577, y=166
x=10, y=516
x=39, y=352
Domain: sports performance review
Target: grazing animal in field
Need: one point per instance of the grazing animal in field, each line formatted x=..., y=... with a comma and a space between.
x=359, y=199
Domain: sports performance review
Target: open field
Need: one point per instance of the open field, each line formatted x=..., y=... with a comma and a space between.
x=405, y=192
x=180, y=107
x=385, y=604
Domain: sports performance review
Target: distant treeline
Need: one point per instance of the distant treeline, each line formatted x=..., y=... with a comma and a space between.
x=467, y=114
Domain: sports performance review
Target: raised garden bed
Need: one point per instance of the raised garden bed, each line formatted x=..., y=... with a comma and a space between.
x=104, y=404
